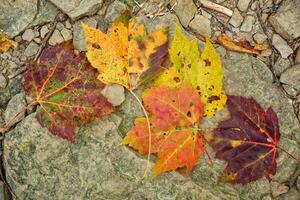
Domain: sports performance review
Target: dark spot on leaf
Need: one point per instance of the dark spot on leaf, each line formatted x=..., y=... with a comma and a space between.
x=176, y=79
x=213, y=98
x=178, y=54
x=189, y=114
x=198, y=87
x=207, y=63
x=96, y=46
x=189, y=65
x=141, y=45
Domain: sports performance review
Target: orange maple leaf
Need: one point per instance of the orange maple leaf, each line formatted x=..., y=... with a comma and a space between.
x=175, y=115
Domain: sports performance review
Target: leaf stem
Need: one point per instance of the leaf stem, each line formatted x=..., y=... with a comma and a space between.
x=7, y=125
x=149, y=131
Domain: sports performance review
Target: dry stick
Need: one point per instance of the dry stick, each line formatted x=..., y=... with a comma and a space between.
x=149, y=131
x=216, y=7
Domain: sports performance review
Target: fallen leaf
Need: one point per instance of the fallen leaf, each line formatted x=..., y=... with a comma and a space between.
x=66, y=89
x=175, y=115
x=248, y=141
x=6, y=44
x=126, y=51
x=204, y=72
x=242, y=46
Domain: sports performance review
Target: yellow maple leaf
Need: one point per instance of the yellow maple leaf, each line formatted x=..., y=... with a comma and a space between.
x=203, y=71
x=6, y=44
x=126, y=51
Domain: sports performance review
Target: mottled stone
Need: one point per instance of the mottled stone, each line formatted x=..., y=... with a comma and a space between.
x=236, y=18
x=31, y=49
x=259, y=38
x=298, y=183
x=78, y=8
x=281, y=65
x=78, y=35
x=47, y=13
x=291, y=77
x=56, y=38
x=282, y=46
x=248, y=23
x=3, y=81
x=262, y=70
x=44, y=30
x=16, y=15
x=243, y=5
x=286, y=20
x=293, y=194
x=28, y=35
x=185, y=10
x=114, y=11
x=201, y=25
x=278, y=188
x=16, y=104
x=297, y=56
x=114, y=94
x=66, y=34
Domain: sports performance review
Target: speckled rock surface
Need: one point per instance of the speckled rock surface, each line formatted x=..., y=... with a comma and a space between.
x=78, y=8
x=16, y=16
x=41, y=166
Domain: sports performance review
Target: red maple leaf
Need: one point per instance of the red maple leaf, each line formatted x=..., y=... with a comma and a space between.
x=248, y=141
x=66, y=89
x=175, y=115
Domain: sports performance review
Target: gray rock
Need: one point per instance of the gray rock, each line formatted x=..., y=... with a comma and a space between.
x=16, y=104
x=66, y=34
x=44, y=30
x=297, y=56
x=56, y=38
x=291, y=77
x=28, y=35
x=248, y=23
x=3, y=81
x=278, y=189
x=262, y=70
x=114, y=93
x=293, y=194
x=47, y=13
x=4, y=97
x=243, y=5
x=298, y=183
x=286, y=21
x=16, y=16
x=185, y=10
x=2, y=191
x=60, y=26
x=201, y=24
x=114, y=11
x=236, y=19
x=259, y=38
x=78, y=8
x=281, y=65
x=282, y=46
x=78, y=35
x=15, y=85
x=31, y=49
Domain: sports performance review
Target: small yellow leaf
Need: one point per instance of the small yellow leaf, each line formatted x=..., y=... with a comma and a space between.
x=204, y=72
x=125, y=52
x=5, y=44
